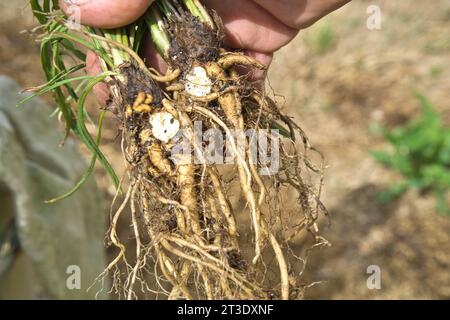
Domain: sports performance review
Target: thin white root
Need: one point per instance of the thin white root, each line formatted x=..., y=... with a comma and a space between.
x=282, y=265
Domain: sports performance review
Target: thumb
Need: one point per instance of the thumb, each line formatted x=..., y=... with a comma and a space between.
x=105, y=13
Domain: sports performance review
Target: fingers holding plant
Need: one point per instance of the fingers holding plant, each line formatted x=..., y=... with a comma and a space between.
x=106, y=14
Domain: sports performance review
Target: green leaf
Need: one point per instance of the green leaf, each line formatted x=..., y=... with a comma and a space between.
x=421, y=154
x=54, y=86
x=89, y=170
x=441, y=203
x=382, y=157
x=84, y=134
x=437, y=176
x=394, y=192
x=71, y=48
x=38, y=11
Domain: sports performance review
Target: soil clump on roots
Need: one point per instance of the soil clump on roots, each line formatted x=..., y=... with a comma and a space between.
x=186, y=221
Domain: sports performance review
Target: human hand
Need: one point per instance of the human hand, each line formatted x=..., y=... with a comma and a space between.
x=258, y=27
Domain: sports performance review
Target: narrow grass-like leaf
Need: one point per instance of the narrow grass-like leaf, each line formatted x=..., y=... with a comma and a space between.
x=59, y=76
x=59, y=84
x=282, y=130
x=85, y=43
x=89, y=170
x=45, y=52
x=74, y=50
x=138, y=34
x=84, y=134
x=38, y=11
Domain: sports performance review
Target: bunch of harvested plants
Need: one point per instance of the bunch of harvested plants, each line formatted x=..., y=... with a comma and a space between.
x=203, y=228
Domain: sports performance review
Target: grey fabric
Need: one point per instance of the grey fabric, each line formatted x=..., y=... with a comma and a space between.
x=34, y=168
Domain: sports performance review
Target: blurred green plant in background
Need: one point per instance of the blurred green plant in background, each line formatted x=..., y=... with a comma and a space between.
x=421, y=154
x=325, y=39
x=321, y=38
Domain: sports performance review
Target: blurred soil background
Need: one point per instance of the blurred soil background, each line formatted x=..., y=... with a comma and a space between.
x=339, y=79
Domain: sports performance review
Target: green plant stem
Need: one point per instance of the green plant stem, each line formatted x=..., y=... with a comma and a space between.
x=158, y=33
x=198, y=10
